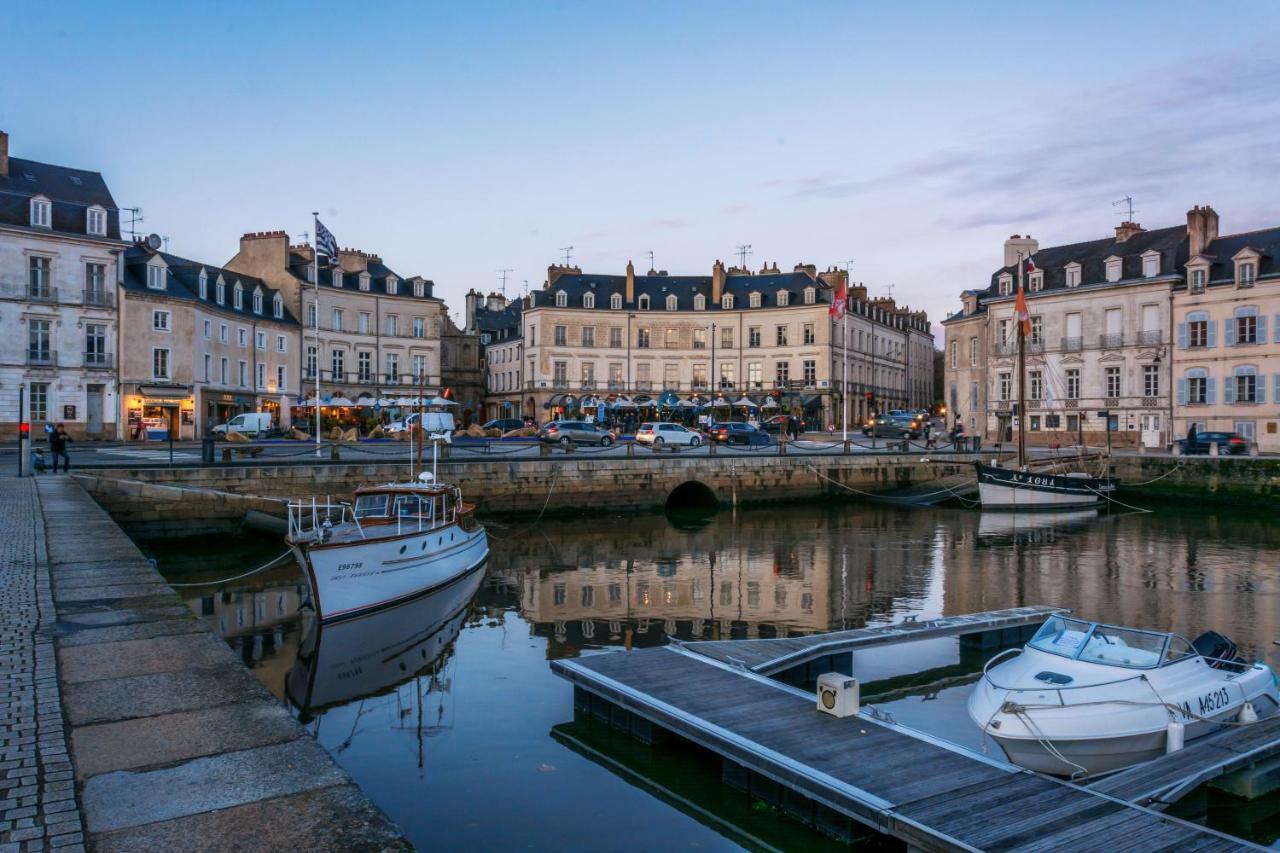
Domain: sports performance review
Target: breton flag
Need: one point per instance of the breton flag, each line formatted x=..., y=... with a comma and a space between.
x=840, y=300
x=326, y=244
x=1020, y=311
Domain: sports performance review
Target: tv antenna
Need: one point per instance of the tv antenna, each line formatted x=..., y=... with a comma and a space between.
x=568, y=254
x=743, y=251
x=526, y=287
x=503, y=272
x=889, y=287
x=135, y=218
x=1127, y=201
x=165, y=238
x=652, y=268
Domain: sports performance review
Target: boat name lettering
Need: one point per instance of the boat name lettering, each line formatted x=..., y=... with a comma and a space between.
x=349, y=567
x=1033, y=480
x=1215, y=701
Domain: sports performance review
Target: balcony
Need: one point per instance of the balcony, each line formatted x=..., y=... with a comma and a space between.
x=41, y=358
x=1150, y=338
x=587, y=385
x=700, y=385
x=99, y=298
x=560, y=384
x=99, y=360
x=644, y=385
x=617, y=385
x=1111, y=340
x=1035, y=345
x=1075, y=344
x=1071, y=403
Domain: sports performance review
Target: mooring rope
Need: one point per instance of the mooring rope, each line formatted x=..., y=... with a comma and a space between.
x=554, y=477
x=261, y=568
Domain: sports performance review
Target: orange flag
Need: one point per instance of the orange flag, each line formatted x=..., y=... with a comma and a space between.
x=1020, y=311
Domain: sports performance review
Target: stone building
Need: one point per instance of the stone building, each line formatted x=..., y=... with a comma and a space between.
x=59, y=254
x=203, y=344
x=497, y=322
x=462, y=370
x=733, y=333
x=380, y=333
x=1226, y=362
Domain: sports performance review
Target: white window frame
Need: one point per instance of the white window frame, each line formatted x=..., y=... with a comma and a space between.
x=277, y=306
x=672, y=303
x=40, y=212
x=224, y=333
x=393, y=286
x=161, y=321
x=204, y=285
x=562, y=299
x=257, y=301
x=726, y=302
x=1073, y=274
x=237, y=297
x=168, y=363
x=282, y=343
x=615, y=301
x=156, y=277
x=242, y=337
x=643, y=302
x=336, y=278
x=220, y=292
x=588, y=300
x=784, y=298
x=95, y=221
x=260, y=340
x=1150, y=264
x=810, y=296
x=1114, y=269
x=208, y=330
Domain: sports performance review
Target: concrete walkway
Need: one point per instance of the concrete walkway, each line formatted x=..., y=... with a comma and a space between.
x=173, y=743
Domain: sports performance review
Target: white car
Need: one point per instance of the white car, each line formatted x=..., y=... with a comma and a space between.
x=658, y=433
x=252, y=424
x=434, y=422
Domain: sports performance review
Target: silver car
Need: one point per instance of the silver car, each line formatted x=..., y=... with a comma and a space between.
x=565, y=433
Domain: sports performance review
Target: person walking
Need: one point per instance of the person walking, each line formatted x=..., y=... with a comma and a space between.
x=58, y=447
x=1191, y=437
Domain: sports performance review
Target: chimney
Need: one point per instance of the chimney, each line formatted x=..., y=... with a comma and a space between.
x=1125, y=230
x=717, y=282
x=4, y=154
x=833, y=277
x=810, y=270
x=631, y=283
x=353, y=260
x=1202, y=229
x=1019, y=244
x=474, y=299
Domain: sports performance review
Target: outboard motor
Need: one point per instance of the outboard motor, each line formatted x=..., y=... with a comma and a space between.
x=1220, y=651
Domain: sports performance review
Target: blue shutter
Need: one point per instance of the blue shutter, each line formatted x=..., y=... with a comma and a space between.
x=1182, y=336
x=1276, y=390
x=1262, y=328
x=1260, y=387
x=1213, y=333
x=1211, y=390
x=1275, y=328
x=1182, y=391
x=1229, y=332
x=1228, y=390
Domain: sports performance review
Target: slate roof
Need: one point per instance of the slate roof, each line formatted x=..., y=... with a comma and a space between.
x=1223, y=270
x=71, y=191
x=501, y=325
x=685, y=288
x=379, y=273
x=1171, y=243
x=184, y=283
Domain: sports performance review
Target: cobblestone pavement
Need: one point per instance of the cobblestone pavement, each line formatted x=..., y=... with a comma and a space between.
x=38, y=806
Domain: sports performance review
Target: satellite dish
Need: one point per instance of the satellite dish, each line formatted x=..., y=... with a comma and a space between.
x=154, y=242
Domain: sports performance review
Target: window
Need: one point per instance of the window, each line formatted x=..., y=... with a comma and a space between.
x=364, y=367
x=1246, y=327
x=561, y=336
x=96, y=221
x=261, y=377
x=155, y=277
x=615, y=301
x=1197, y=331
x=337, y=277
x=223, y=333
x=1112, y=375
x=1150, y=264
x=810, y=336
x=1037, y=330
x=754, y=374
x=1073, y=423
x=160, y=321
x=699, y=302
x=588, y=300
x=338, y=364
x=1005, y=386
x=671, y=338
x=282, y=343
x=726, y=374
x=1005, y=285
x=311, y=362
x=642, y=338
x=672, y=302
x=784, y=298
x=1006, y=331
x=1035, y=384
x=615, y=337
x=1151, y=380
x=393, y=368
x=643, y=302
x=208, y=367
x=1073, y=383
x=780, y=336
x=810, y=296
x=160, y=363
x=419, y=367
x=754, y=300
x=588, y=374
x=222, y=370
x=260, y=340
x=40, y=212
x=419, y=288
x=393, y=287
x=1244, y=386
x=1113, y=268
x=562, y=299
x=277, y=306
x=955, y=354
x=699, y=338
x=95, y=284
x=39, y=342
x=242, y=337
x=1245, y=274
x=1073, y=275
x=365, y=281
x=782, y=373
x=726, y=337
x=257, y=301
x=39, y=407
x=95, y=345
x=204, y=285
x=1197, y=280
x=753, y=336
x=362, y=322
x=973, y=352
x=1198, y=388
x=40, y=278
x=1036, y=281
x=560, y=374
x=281, y=378
x=810, y=373
x=336, y=324
x=237, y=297
x=393, y=326
x=1035, y=423
x=244, y=373
x=588, y=336
x=419, y=327
x=726, y=301
x=221, y=292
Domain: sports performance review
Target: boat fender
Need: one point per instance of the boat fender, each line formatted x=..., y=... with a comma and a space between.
x=1177, y=734
x=1248, y=714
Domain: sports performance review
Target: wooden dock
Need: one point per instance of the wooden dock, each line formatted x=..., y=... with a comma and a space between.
x=923, y=790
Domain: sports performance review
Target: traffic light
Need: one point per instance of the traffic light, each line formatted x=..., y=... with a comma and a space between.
x=871, y=397
x=24, y=430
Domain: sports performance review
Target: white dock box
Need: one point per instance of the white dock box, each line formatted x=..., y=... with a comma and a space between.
x=838, y=694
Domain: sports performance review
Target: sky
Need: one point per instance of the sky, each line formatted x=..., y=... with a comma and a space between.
x=457, y=140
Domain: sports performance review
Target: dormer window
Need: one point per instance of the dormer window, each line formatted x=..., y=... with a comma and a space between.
x=1198, y=277
x=204, y=285
x=810, y=296
x=337, y=277
x=1037, y=281
x=222, y=291
x=237, y=297
x=588, y=300
x=257, y=301
x=1245, y=273
x=726, y=302
x=365, y=280
x=393, y=286
x=1114, y=268
x=419, y=288
x=277, y=306
x=643, y=302
x=1006, y=284
x=672, y=302
x=699, y=302
x=784, y=298
x=754, y=299
x=1073, y=275
x=615, y=301
x=562, y=299
x=41, y=212
x=155, y=277
x=1150, y=264
x=95, y=221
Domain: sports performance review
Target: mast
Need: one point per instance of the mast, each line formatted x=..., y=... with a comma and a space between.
x=1022, y=375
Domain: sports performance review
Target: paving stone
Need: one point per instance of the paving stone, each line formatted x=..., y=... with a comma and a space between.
x=74, y=636
x=115, y=592
x=140, y=657
x=160, y=693
x=98, y=617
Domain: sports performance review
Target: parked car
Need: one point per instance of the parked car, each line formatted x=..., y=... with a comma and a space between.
x=565, y=433
x=252, y=424
x=433, y=422
x=886, y=426
x=662, y=432
x=739, y=433
x=778, y=423
x=1228, y=442
x=505, y=424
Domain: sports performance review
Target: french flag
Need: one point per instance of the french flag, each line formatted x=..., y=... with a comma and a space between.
x=1031, y=264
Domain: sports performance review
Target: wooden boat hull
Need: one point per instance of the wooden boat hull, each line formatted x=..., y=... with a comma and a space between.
x=1009, y=489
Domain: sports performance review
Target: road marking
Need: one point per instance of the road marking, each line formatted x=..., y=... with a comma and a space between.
x=156, y=455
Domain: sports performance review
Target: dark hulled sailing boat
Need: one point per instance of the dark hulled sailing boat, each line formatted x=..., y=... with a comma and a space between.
x=1020, y=488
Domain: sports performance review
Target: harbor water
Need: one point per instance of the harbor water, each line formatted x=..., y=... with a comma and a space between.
x=445, y=712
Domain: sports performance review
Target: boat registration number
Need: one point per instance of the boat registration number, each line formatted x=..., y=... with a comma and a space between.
x=350, y=567
x=1209, y=703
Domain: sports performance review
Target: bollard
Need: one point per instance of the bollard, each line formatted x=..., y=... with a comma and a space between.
x=206, y=450
x=1213, y=448
x=1253, y=448
x=711, y=448
x=334, y=454
x=631, y=450
x=226, y=454
x=848, y=447
x=544, y=449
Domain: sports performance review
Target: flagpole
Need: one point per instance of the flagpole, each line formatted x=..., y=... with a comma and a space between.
x=315, y=279
x=1022, y=369
x=844, y=379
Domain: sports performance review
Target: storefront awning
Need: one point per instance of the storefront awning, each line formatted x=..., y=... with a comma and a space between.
x=170, y=392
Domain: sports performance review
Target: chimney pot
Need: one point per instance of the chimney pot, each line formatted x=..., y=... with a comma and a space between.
x=4, y=154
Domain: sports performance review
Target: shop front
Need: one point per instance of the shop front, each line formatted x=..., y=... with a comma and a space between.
x=159, y=412
x=219, y=407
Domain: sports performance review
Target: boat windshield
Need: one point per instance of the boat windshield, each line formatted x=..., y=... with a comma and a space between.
x=371, y=506
x=1105, y=644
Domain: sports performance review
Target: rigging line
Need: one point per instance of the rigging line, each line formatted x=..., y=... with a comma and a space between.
x=263, y=567
x=554, y=477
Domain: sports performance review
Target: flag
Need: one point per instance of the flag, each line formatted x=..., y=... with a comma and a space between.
x=1031, y=264
x=326, y=243
x=1020, y=311
x=840, y=300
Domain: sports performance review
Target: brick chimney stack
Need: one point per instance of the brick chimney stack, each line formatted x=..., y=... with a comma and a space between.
x=1202, y=228
x=631, y=283
x=717, y=282
x=1125, y=230
x=4, y=154
x=353, y=260
x=1018, y=244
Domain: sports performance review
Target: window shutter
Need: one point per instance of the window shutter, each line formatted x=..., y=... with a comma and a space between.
x=1182, y=392
x=1260, y=388
x=1211, y=390
x=1228, y=390
x=1275, y=328
x=1262, y=329
x=1182, y=336
x=1229, y=332
x=1213, y=334
x=1276, y=390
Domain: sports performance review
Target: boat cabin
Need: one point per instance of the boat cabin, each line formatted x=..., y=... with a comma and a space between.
x=392, y=504
x=1094, y=642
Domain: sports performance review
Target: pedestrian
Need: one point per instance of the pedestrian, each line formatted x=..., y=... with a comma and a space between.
x=58, y=447
x=929, y=442
x=1191, y=437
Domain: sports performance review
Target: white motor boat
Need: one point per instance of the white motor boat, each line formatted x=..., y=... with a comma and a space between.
x=1082, y=698
x=399, y=541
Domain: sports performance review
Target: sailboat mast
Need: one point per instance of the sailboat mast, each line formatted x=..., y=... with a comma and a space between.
x=1022, y=375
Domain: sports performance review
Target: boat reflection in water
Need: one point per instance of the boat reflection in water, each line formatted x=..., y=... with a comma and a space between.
x=1043, y=526
x=372, y=654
